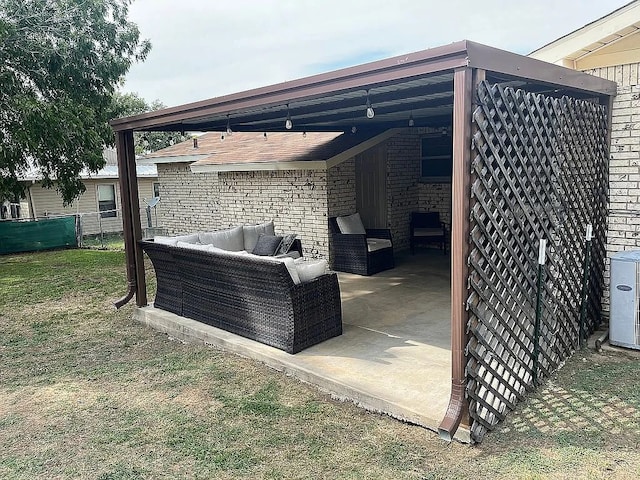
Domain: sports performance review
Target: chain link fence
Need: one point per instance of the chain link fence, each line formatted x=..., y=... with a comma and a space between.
x=104, y=228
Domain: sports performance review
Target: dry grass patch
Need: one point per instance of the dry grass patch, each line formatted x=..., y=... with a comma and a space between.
x=85, y=392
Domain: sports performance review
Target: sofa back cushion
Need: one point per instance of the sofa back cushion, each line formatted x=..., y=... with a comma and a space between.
x=231, y=239
x=173, y=241
x=252, y=232
x=194, y=246
x=351, y=224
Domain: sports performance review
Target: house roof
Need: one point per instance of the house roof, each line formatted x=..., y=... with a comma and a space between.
x=417, y=85
x=110, y=170
x=254, y=151
x=610, y=40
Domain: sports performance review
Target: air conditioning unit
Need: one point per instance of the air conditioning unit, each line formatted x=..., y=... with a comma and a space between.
x=624, y=320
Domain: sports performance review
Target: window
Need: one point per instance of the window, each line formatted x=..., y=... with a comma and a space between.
x=156, y=189
x=107, y=201
x=437, y=158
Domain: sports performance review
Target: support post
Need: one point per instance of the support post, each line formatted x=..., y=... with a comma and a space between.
x=464, y=81
x=131, y=228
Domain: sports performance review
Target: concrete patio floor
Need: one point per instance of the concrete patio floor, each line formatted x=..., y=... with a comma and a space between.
x=394, y=354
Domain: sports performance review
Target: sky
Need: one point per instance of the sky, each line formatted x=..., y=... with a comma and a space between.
x=208, y=48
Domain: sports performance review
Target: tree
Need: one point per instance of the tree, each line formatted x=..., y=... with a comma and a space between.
x=126, y=104
x=60, y=62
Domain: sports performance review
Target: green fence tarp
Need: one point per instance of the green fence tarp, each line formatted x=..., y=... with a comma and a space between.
x=44, y=234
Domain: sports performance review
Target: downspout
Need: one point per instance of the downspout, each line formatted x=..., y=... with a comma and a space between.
x=123, y=174
x=458, y=410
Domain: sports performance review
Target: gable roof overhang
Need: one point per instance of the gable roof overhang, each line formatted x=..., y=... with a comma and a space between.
x=610, y=40
x=338, y=148
x=418, y=85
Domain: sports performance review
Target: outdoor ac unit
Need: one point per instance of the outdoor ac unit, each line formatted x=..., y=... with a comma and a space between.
x=624, y=322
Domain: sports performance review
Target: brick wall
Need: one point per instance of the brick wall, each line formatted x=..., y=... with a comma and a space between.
x=295, y=199
x=341, y=189
x=403, y=174
x=623, y=228
x=405, y=192
x=188, y=202
x=436, y=197
x=299, y=201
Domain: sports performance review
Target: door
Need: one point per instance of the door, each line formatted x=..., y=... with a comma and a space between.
x=371, y=187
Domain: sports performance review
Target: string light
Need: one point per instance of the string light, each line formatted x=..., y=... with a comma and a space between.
x=411, y=122
x=370, y=112
x=229, y=131
x=288, y=124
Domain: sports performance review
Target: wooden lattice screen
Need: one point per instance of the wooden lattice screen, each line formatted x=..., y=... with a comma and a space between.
x=539, y=170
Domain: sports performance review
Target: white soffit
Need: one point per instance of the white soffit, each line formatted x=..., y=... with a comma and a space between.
x=591, y=38
x=172, y=159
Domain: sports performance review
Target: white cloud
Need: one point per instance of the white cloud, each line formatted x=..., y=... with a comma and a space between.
x=203, y=49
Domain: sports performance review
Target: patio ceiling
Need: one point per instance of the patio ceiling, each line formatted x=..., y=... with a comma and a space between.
x=417, y=86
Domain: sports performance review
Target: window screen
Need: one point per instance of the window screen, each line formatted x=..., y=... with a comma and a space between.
x=437, y=157
x=107, y=200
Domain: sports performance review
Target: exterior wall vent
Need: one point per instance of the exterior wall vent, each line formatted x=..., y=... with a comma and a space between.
x=624, y=323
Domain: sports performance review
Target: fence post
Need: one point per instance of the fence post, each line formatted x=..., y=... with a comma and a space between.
x=78, y=229
x=101, y=232
x=542, y=253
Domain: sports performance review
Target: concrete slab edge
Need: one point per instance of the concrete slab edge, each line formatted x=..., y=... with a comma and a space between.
x=190, y=331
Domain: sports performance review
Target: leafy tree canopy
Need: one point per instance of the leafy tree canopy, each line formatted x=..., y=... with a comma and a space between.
x=126, y=104
x=60, y=62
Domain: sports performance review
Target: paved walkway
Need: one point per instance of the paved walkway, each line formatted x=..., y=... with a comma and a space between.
x=394, y=355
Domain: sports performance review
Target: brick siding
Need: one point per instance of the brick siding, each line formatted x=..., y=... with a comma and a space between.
x=296, y=200
x=623, y=227
x=299, y=201
x=188, y=202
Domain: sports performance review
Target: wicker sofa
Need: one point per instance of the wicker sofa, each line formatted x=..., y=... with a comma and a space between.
x=255, y=297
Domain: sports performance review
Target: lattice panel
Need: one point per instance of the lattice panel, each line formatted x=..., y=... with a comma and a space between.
x=539, y=171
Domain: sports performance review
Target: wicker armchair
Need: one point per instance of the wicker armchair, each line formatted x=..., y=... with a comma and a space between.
x=351, y=252
x=426, y=227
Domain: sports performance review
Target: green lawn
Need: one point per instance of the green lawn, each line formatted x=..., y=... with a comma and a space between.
x=85, y=392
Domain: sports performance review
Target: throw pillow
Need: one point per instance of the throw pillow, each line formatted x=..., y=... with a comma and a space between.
x=287, y=241
x=252, y=232
x=267, y=245
x=351, y=224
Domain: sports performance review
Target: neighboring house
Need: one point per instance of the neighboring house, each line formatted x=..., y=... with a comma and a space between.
x=610, y=48
x=300, y=180
x=99, y=206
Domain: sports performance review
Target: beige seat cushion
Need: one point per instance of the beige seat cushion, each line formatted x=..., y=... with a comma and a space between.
x=427, y=232
x=374, y=244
